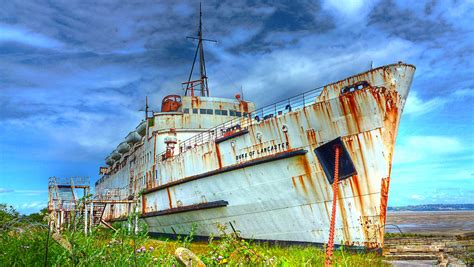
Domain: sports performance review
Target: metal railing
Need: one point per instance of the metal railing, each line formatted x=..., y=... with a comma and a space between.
x=74, y=180
x=113, y=194
x=67, y=205
x=241, y=123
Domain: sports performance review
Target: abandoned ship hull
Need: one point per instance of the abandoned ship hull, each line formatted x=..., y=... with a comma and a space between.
x=265, y=180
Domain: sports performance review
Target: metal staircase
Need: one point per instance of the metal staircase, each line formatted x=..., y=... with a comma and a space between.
x=98, y=212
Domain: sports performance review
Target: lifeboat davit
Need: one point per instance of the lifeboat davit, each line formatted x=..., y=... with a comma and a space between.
x=123, y=148
x=109, y=161
x=115, y=155
x=141, y=128
x=133, y=137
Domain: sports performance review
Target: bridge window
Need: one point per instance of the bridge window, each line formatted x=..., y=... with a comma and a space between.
x=354, y=87
x=186, y=110
x=238, y=114
x=222, y=112
x=206, y=111
x=195, y=111
x=232, y=112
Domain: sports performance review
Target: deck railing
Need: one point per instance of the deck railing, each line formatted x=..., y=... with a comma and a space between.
x=75, y=180
x=238, y=124
x=241, y=123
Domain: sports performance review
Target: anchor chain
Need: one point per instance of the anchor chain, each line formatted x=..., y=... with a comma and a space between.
x=335, y=188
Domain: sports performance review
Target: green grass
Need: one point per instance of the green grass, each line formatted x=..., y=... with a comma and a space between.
x=27, y=243
x=406, y=235
x=103, y=247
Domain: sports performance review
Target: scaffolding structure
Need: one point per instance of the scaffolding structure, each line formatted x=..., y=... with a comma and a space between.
x=71, y=204
x=66, y=199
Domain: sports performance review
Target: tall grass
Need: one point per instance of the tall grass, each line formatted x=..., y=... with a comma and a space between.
x=23, y=243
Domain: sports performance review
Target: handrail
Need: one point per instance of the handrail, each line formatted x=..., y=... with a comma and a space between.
x=237, y=124
x=74, y=180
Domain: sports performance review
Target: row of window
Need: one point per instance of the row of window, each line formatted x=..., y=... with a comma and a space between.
x=223, y=112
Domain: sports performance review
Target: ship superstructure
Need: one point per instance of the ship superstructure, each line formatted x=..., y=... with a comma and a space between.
x=264, y=172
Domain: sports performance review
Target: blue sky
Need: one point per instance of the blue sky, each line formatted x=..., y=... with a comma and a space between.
x=74, y=75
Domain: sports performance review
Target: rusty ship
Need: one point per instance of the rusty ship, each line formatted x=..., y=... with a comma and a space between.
x=266, y=173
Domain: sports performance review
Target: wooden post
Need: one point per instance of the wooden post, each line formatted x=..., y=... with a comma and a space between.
x=62, y=220
x=92, y=216
x=85, y=218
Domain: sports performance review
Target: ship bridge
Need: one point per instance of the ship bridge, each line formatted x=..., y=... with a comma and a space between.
x=180, y=118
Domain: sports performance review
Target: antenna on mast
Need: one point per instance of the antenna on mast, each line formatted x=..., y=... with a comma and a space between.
x=146, y=108
x=202, y=63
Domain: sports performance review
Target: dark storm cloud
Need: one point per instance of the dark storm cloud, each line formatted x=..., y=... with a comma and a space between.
x=412, y=25
x=74, y=74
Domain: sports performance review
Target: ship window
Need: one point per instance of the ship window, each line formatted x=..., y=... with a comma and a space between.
x=202, y=111
x=238, y=114
x=358, y=86
x=218, y=112
x=210, y=111
x=224, y=112
x=232, y=112
x=195, y=111
x=186, y=110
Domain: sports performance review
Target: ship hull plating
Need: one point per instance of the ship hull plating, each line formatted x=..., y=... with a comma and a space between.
x=267, y=183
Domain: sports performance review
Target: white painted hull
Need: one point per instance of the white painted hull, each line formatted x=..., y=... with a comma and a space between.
x=286, y=199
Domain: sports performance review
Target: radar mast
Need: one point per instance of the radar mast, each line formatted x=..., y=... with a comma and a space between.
x=202, y=63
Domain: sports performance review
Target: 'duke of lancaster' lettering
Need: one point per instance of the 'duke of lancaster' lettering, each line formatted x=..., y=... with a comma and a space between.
x=263, y=172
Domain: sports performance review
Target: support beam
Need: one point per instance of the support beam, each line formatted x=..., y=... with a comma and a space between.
x=85, y=219
x=92, y=216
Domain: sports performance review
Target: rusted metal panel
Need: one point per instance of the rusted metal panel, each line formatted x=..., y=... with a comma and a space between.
x=288, y=199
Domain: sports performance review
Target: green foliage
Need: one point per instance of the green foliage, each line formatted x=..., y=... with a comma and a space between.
x=38, y=217
x=24, y=243
x=7, y=214
x=186, y=240
x=404, y=235
x=230, y=249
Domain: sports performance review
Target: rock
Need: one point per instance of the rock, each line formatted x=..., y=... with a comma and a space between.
x=187, y=258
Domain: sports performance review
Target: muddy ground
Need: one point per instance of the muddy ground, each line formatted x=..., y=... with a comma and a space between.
x=431, y=222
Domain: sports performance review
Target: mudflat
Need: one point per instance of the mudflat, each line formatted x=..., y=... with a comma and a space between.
x=430, y=222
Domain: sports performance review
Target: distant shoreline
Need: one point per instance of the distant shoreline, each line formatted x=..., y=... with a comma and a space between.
x=439, y=222
x=434, y=207
x=432, y=211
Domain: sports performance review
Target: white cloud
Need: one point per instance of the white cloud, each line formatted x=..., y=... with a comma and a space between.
x=21, y=35
x=31, y=192
x=468, y=92
x=33, y=205
x=349, y=10
x=415, y=105
x=417, y=148
x=5, y=190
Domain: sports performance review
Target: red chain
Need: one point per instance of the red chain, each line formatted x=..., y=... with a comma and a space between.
x=335, y=188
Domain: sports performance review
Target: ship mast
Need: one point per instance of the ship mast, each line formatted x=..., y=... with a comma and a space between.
x=202, y=63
